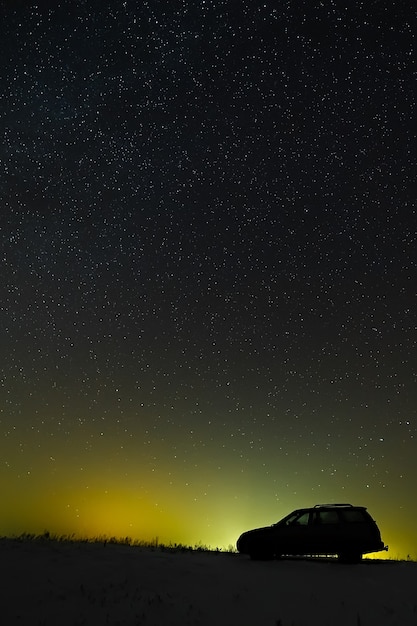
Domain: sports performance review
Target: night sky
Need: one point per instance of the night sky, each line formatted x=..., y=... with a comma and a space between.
x=209, y=265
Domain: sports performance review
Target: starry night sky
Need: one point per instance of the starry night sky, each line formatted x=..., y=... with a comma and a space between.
x=209, y=265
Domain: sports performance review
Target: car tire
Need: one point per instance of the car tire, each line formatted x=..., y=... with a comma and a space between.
x=350, y=557
x=260, y=556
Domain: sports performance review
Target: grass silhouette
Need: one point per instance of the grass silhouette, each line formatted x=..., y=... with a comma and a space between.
x=153, y=544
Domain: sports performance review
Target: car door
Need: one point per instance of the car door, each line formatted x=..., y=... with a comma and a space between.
x=292, y=534
x=324, y=532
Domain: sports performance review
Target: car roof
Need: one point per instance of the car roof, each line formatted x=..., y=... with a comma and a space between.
x=339, y=505
x=334, y=505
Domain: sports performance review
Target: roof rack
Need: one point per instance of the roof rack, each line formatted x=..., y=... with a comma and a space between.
x=336, y=504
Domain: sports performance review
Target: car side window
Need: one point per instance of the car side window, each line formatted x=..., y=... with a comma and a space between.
x=354, y=515
x=326, y=517
x=303, y=519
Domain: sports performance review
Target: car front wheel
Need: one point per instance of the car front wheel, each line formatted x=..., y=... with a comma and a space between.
x=260, y=555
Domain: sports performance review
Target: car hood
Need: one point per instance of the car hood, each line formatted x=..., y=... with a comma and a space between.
x=255, y=531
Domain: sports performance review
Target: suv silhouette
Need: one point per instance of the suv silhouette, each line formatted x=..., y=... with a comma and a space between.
x=325, y=529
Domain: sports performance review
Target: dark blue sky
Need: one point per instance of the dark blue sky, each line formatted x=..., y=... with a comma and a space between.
x=208, y=235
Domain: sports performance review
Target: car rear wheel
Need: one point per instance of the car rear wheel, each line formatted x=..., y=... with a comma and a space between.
x=350, y=557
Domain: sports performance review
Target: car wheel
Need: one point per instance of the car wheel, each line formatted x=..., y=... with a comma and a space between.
x=260, y=556
x=350, y=557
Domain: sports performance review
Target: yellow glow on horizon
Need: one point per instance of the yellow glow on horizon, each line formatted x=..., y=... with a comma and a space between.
x=67, y=505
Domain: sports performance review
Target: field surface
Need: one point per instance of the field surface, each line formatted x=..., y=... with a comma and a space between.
x=50, y=583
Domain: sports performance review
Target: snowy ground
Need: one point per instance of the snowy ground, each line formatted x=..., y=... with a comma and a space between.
x=61, y=584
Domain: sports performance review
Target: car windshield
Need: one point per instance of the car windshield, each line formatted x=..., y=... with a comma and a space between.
x=298, y=518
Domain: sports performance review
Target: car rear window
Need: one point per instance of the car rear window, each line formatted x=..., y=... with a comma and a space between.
x=355, y=515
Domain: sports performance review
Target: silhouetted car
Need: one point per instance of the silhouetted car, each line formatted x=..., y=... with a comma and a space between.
x=325, y=529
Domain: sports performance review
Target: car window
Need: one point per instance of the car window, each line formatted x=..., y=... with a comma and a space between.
x=326, y=517
x=297, y=519
x=302, y=520
x=291, y=519
x=355, y=515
